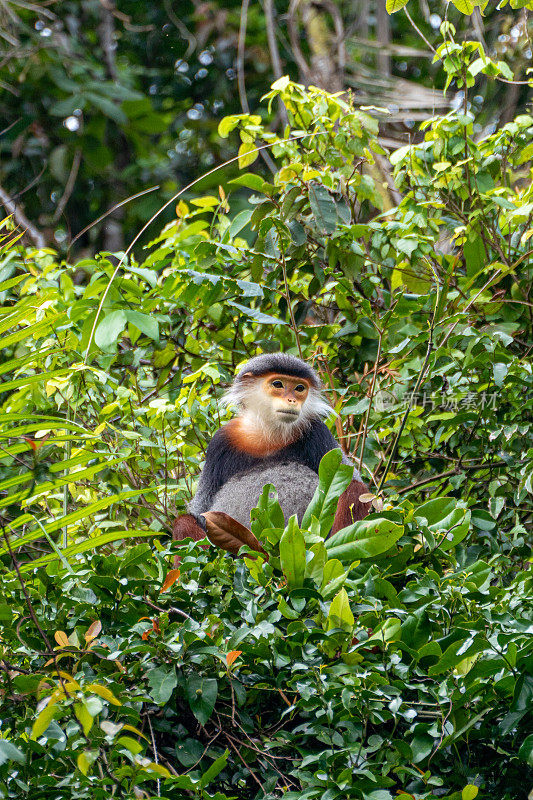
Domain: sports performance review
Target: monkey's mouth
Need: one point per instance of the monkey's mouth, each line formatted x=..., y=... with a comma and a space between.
x=288, y=412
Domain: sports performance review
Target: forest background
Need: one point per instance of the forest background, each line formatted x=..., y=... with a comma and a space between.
x=186, y=185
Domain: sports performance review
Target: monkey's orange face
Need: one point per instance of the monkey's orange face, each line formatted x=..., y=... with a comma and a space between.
x=287, y=395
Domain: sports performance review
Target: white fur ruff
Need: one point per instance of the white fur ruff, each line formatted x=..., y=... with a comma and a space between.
x=257, y=411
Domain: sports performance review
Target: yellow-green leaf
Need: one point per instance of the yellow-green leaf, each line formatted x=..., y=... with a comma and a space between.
x=84, y=718
x=247, y=154
x=43, y=720
x=104, y=693
x=395, y=5
x=340, y=614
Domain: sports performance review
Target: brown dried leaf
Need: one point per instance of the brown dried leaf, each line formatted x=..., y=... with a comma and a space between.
x=171, y=578
x=228, y=534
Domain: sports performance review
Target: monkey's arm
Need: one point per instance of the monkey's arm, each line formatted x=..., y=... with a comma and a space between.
x=350, y=508
x=213, y=474
x=190, y=526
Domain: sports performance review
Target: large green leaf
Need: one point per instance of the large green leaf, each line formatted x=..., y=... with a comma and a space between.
x=292, y=555
x=202, y=695
x=109, y=329
x=323, y=208
x=364, y=539
x=340, y=614
x=334, y=477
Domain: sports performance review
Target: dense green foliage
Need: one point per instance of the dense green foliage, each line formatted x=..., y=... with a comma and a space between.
x=104, y=100
x=393, y=660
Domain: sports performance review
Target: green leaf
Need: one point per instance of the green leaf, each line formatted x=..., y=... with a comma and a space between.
x=258, y=316
x=469, y=792
x=202, y=695
x=499, y=371
x=87, y=545
x=393, y=6
x=84, y=717
x=323, y=208
x=465, y=6
x=281, y=84
x=448, y=522
x=162, y=683
x=526, y=750
x=247, y=154
x=240, y=221
x=364, y=539
x=146, y=323
x=227, y=124
x=43, y=720
x=340, y=614
x=292, y=555
x=108, y=107
x=110, y=329
x=334, y=477
x=250, y=181
x=8, y=752
x=474, y=254
x=211, y=773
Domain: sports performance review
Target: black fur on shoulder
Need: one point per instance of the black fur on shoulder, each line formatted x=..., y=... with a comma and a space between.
x=282, y=363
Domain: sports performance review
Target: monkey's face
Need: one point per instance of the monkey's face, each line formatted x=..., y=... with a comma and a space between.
x=287, y=396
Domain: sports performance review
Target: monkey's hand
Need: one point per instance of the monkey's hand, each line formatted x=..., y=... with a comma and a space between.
x=188, y=526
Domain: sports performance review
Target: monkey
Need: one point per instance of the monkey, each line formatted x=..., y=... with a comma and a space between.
x=277, y=437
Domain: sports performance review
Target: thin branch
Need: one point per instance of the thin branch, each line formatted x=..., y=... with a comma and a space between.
x=417, y=29
x=110, y=211
x=69, y=186
x=371, y=398
x=274, y=51
x=240, y=75
x=21, y=219
x=449, y=473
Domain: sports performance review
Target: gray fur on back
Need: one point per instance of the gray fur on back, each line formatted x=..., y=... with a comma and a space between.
x=295, y=484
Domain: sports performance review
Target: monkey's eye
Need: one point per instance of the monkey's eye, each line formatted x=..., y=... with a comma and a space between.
x=277, y=384
x=299, y=388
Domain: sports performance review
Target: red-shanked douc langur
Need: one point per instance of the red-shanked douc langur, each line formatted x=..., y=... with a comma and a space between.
x=277, y=437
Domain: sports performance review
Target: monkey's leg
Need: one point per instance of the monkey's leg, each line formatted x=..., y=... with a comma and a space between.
x=187, y=527
x=350, y=508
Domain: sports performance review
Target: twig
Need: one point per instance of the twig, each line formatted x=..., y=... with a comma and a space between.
x=371, y=397
x=268, y=6
x=417, y=29
x=289, y=306
x=240, y=75
x=21, y=219
x=50, y=650
x=154, y=749
x=110, y=211
x=456, y=471
x=69, y=186
x=250, y=770
x=166, y=610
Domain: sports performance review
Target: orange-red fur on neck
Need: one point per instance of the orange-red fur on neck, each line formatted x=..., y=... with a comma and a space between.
x=254, y=443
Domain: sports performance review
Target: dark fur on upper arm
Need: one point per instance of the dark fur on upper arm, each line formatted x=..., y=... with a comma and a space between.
x=350, y=508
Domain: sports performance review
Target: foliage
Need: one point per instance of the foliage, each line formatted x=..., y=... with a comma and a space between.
x=102, y=102
x=393, y=660
x=225, y=679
